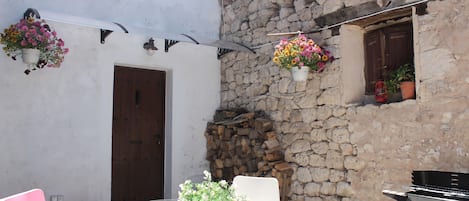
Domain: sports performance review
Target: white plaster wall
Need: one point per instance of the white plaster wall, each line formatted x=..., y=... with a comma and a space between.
x=200, y=19
x=56, y=124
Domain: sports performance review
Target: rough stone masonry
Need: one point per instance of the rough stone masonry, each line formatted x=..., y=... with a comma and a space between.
x=354, y=151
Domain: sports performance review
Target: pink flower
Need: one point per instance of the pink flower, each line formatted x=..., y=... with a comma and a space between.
x=66, y=50
x=54, y=33
x=306, y=54
x=284, y=42
x=302, y=37
x=302, y=64
x=316, y=49
x=23, y=43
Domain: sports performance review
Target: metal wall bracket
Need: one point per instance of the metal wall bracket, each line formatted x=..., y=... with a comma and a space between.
x=222, y=51
x=104, y=33
x=168, y=43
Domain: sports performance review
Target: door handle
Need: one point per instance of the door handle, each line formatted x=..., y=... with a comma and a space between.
x=158, y=138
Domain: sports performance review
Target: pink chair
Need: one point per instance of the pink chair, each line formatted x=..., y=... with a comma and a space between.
x=31, y=195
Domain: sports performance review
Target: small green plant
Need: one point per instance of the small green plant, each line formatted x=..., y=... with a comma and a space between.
x=404, y=73
x=207, y=190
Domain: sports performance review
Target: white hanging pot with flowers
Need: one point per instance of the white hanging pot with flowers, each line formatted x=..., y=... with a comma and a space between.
x=36, y=42
x=300, y=55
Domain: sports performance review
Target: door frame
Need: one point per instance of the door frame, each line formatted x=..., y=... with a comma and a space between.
x=168, y=124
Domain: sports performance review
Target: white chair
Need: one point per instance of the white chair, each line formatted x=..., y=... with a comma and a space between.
x=257, y=188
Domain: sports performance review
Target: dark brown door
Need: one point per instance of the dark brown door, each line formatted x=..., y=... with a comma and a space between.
x=138, y=134
x=386, y=49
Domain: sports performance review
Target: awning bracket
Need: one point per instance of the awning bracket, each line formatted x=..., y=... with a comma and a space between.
x=104, y=33
x=223, y=51
x=168, y=43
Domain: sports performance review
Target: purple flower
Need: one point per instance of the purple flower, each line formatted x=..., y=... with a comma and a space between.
x=60, y=43
x=321, y=66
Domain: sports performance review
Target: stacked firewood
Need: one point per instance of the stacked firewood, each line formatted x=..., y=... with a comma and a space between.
x=243, y=143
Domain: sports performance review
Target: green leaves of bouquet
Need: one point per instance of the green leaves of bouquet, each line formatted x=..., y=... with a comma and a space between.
x=207, y=190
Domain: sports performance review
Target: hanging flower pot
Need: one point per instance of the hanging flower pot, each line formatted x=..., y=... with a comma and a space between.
x=36, y=41
x=300, y=73
x=30, y=56
x=301, y=51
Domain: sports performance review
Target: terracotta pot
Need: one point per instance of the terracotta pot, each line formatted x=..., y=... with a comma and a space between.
x=407, y=90
x=300, y=74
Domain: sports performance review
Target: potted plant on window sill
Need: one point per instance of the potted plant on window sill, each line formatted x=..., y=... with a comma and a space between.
x=301, y=55
x=402, y=78
x=35, y=41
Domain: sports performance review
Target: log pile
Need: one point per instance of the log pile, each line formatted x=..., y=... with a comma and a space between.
x=244, y=143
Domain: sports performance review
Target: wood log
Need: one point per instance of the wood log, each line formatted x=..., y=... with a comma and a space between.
x=236, y=171
x=253, y=134
x=218, y=163
x=263, y=125
x=227, y=134
x=271, y=135
x=242, y=169
x=252, y=166
x=274, y=156
x=220, y=130
x=243, y=131
x=248, y=115
x=283, y=167
x=228, y=162
x=258, y=152
x=218, y=173
x=272, y=144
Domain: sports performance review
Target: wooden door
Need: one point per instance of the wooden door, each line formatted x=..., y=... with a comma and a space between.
x=138, y=134
x=386, y=49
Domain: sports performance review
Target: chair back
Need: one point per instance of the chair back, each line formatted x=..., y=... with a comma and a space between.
x=31, y=195
x=257, y=188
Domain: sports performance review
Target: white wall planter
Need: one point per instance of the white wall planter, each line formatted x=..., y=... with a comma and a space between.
x=300, y=73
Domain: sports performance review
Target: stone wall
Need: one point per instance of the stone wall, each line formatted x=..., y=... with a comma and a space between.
x=352, y=152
